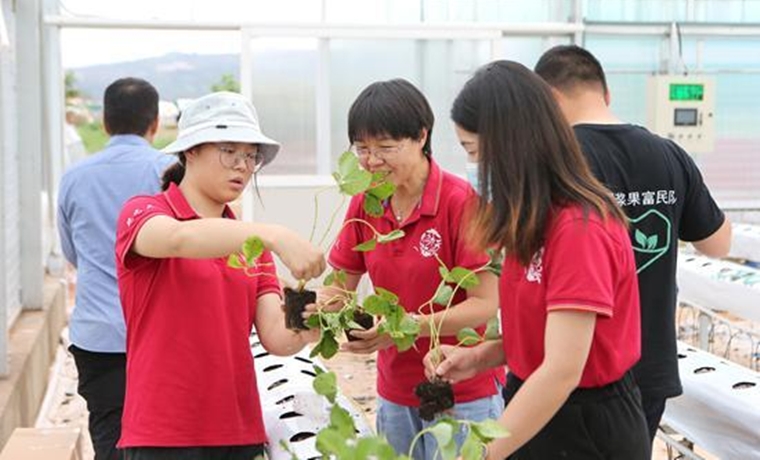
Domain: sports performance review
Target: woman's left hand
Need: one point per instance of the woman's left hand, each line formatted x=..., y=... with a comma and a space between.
x=369, y=341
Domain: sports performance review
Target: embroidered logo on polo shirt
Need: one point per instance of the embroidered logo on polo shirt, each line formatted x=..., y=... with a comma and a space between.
x=129, y=221
x=430, y=243
x=535, y=268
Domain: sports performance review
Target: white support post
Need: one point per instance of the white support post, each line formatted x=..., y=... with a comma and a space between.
x=30, y=132
x=4, y=74
x=577, y=18
x=53, y=143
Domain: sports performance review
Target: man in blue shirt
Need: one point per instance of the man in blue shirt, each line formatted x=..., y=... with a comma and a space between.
x=91, y=195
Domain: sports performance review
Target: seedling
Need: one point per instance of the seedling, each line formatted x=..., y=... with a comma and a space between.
x=339, y=439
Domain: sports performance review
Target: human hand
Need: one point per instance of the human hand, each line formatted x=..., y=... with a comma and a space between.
x=450, y=363
x=369, y=341
x=304, y=260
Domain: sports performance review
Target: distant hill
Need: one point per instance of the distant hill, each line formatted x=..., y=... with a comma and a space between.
x=174, y=75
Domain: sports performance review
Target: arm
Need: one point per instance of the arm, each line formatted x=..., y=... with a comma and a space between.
x=718, y=244
x=567, y=343
x=455, y=364
x=64, y=233
x=481, y=305
x=270, y=326
x=164, y=237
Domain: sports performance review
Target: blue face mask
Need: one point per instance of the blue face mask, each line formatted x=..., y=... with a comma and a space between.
x=473, y=177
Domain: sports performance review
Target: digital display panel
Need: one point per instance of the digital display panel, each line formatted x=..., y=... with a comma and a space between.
x=685, y=117
x=687, y=92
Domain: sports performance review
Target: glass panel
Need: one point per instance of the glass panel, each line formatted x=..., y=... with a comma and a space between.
x=284, y=93
x=438, y=68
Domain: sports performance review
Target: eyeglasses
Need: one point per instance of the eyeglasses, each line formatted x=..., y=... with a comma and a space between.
x=382, y=153
x=229, y=158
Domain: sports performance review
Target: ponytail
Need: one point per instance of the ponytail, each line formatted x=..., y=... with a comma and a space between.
x=174, y=173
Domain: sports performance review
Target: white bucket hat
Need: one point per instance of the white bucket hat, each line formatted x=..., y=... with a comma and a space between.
x=221, y=117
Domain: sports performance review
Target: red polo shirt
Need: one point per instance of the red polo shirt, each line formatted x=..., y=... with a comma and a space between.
x=586, y=264
x=408, y=268
x=190, y=376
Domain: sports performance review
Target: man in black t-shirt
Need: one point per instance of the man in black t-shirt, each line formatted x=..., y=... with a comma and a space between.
x=661, y=191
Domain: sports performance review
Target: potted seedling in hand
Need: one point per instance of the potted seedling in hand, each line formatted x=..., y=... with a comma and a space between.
x=437, y=395
x=351, y=179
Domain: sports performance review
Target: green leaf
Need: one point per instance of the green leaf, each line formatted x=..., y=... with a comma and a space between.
x=373, y=206
x=472, y=448
x=652, y=242
x=492, y=329
x=409, y=326
x=382, y=191
x=488, y=430
x=392, y=236
x=327, y=346
x=376, y=305
x=341, y=420
x=375, y=447
x=495, y=261
x=468, y=337
x=355, y=183
x=347, y=163
x=329, y=279
x=368, y=245
x=340, y=275
x=252, y=249
x=326, y=384
x=443, y=433
x=466, y=279
x=641, y=238
x=331, y=442
x=312, y=322
x=445, y=274
x=233, y=261
x=387, y=295
x=443, y=295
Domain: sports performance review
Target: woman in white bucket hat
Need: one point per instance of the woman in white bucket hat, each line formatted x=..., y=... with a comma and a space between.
x=191, y=388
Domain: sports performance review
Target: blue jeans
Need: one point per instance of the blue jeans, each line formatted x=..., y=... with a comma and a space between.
x=400, y=424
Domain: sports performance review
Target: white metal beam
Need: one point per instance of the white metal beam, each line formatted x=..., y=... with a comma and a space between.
x=30, y=133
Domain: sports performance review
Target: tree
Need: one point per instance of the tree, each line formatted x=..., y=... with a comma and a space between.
x=69, y=82
x=226, y=83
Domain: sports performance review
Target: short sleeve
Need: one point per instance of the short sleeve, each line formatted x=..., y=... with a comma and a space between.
x=342, y=256
x=133, y=216
x=701, y=216
x=267, y=282
x=579, y=267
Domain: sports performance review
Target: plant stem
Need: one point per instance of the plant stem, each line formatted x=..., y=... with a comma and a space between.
x=332, y=220
x=316, y=210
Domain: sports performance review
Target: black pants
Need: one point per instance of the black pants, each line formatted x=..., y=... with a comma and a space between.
x=599, y=423
x=102, y=382
x=654, y=407
x=196, y=453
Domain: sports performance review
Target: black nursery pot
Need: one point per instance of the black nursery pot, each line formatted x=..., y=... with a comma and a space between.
x=365, y=319
x=295, y=303
x=435, y=396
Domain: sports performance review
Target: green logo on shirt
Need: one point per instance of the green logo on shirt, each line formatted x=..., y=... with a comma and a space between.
x=651, y=238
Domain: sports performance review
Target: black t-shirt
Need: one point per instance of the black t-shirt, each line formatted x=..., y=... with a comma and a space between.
x=662, y=192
